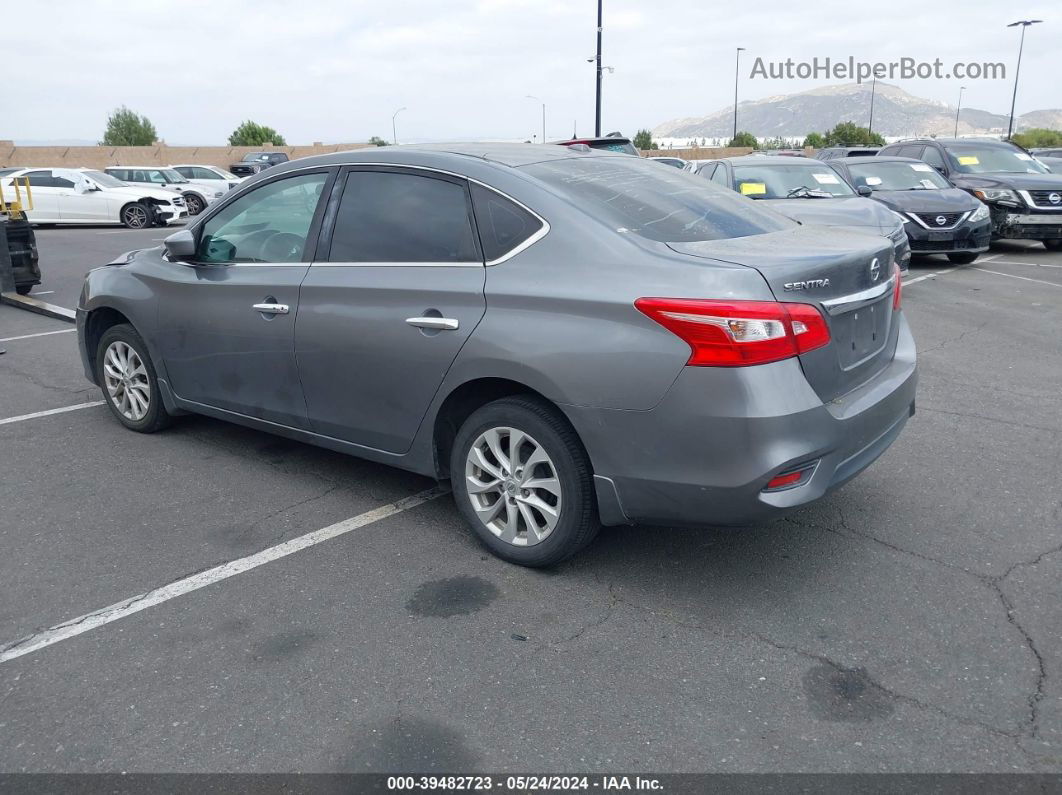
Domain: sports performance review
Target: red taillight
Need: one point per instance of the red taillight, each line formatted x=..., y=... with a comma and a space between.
x=899, y=287
x=739, y=333
x=778, y=481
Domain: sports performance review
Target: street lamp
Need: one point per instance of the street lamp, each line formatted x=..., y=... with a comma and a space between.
x=394, y=132
x=1024, y=24
x=957, y=109
x=543, y=115
x=597, y=106
x=737, y=66
x=873, y=91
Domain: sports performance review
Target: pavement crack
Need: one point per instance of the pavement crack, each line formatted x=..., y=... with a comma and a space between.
x=952, y=340
x=972, y=416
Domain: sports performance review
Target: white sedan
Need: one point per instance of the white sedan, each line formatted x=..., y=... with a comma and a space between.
x=86, y=196
x=208, y=176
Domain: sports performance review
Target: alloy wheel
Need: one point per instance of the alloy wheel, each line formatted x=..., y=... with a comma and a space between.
x=126, y=380
x=136, y=217
x=514, y=486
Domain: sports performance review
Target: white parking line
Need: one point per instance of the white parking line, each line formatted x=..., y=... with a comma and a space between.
x=134, y=604
x=1023, y=278
x=952, y=269
x=39, y=334
x=49, y=412
x=1030, y=264
x=44, y=292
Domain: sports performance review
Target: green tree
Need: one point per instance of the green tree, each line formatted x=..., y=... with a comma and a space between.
x=746, y=139
x=815, y=140
x=778, y=142
x=376, y=140
x=643, y=139
x=253, y=134
x=848, y=133
x=1038, y=136
x=126, y=128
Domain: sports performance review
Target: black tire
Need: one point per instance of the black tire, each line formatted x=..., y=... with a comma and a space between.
x=1054, y=244
x=137, y=215
x=963, y=257
x=195, y=203
x=577, y=522
x=23, y=289
x=156, y=417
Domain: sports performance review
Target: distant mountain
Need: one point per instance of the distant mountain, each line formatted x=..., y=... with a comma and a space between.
x=896, y=113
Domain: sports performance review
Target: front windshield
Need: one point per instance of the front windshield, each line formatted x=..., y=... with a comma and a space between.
x=635, y=196
x=789, y=181
x=971, y=159
x=106, y=180
x=172, y=176
x=897, y=176
x=255, y=156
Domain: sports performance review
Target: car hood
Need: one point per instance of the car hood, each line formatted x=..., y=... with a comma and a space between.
x=949, y=200
x=1007, y=180
x=852, y=211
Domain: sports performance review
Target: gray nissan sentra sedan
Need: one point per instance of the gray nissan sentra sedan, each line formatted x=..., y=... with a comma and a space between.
x=571, y=338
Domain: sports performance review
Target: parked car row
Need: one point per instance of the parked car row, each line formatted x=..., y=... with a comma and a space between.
x=133, y=196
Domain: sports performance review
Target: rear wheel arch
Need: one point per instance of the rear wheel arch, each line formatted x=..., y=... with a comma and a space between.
x=464, y=400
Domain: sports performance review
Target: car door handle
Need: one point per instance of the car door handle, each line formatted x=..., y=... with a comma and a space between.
x=271, y=309
x=443, y=323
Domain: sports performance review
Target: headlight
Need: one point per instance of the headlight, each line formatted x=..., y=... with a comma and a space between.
x=997, y=195
x=980, y=214
x=903, y=219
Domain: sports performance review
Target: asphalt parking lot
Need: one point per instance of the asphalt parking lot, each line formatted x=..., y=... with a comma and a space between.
x=911, y=621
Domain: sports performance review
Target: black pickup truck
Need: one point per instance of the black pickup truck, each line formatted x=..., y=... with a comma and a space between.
x=253, y=162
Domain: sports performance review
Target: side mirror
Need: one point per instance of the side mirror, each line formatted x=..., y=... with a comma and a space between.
x=864, y=190
x=941, y=170
x=180, y=245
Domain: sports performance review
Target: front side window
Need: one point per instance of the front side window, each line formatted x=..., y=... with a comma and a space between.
x=932, y=156
x=720, y=177
x=387, y=216
x=634, y=196
x=269, y=224
x=200, y=173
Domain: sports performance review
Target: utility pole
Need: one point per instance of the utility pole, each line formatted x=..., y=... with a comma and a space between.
x=957, y=109
x=873, y=91
x=1024, y=24
x=597, y=112
x=394, y=128
x=529, y=96
x=737, y=67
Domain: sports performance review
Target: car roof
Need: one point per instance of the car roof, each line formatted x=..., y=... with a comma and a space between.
x=753, y=160
x=877, y=159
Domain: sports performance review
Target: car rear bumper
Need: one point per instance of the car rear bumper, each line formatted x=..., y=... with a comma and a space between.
x=704, y=455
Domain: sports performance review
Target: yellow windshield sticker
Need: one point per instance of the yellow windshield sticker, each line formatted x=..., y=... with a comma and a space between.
x=968, y=160
x=753, y=189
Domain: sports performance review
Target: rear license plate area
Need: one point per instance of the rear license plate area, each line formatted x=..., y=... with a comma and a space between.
x=862, y=333
x=940, y=236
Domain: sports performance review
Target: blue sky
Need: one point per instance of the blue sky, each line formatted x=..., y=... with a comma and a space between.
x=324, y=70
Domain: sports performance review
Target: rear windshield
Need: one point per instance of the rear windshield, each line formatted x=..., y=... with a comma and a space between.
x=620, y=145
x=886, y=175
x=662, y=204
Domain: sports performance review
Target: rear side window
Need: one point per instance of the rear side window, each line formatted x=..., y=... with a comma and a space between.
x=503, y=225
x=387, y=216
x=932, y=156
x=637, y=197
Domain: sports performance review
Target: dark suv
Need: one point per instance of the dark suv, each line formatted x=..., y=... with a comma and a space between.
x=837, y=152
x=1025, y=198
x=253, y=162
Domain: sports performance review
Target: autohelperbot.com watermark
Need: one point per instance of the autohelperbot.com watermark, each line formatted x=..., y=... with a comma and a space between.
x=901, y=69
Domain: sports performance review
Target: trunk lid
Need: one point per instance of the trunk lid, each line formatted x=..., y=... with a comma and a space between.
x=847, y=275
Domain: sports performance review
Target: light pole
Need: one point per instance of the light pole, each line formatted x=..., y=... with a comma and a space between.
x=597, y=107
x=1024, y=24
x=737, y=66
x=957, y=109
x=873, y=91
x=394, y=131
x=543, y=116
